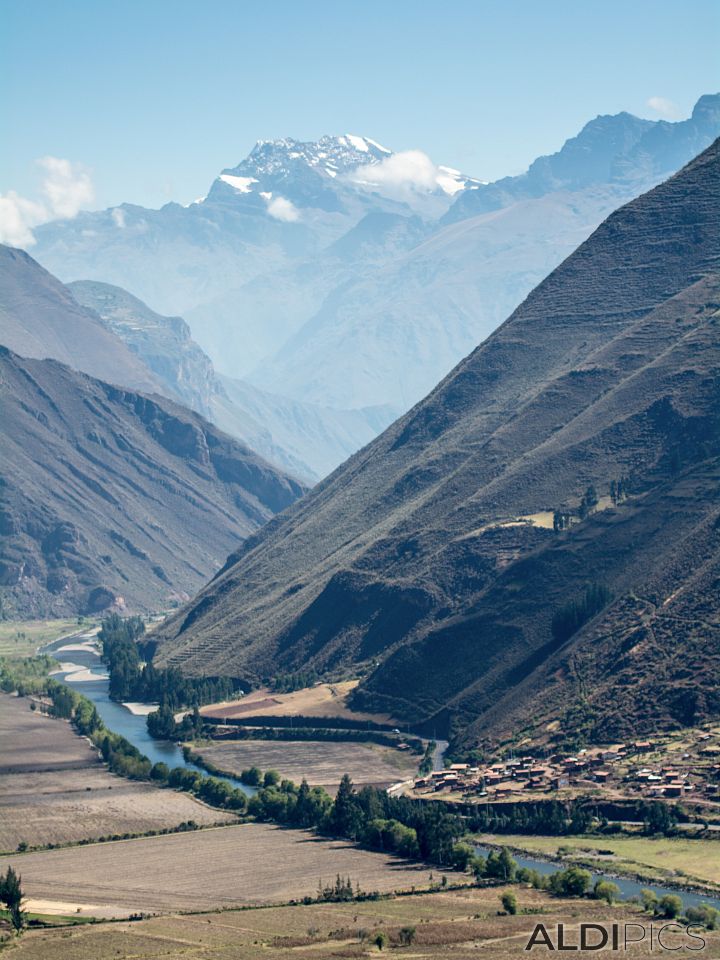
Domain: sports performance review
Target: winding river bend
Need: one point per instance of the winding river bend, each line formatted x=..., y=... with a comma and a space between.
x=85, y=672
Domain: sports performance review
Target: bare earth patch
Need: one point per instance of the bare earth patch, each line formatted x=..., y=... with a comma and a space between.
x=54, y=789
x=321, y=763
x=321, y=700
x=229, y=866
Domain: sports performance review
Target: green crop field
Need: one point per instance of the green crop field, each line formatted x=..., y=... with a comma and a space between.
x=21, y=638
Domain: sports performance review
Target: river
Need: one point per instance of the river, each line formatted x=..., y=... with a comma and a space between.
x=86, y=673
x=628, y=887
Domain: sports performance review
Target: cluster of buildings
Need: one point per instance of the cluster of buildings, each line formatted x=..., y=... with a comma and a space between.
x=618, y=769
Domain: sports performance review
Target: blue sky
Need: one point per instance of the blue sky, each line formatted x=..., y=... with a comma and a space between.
x=153, y=98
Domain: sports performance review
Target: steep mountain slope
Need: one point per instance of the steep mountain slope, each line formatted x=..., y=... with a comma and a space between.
x=40, y=318
x=417, y=561
x=387, y=334
x=113, y=498
x=394, y=331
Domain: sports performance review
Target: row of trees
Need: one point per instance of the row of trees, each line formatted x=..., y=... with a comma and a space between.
x=546, y=817
x=133, y=676
x=162, y=724
x=289, y=682
x=120, y=755
x=370, y=817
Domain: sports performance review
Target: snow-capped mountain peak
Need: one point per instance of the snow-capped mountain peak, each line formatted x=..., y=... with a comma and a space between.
x=285, y=176
x=331, y=155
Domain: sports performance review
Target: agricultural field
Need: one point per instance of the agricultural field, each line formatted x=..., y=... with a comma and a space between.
x=322, y=763
x=451, y=925
x=21, y=638
x=668, y=856
x=203, y=870
x=320, y=700
x=54, y=789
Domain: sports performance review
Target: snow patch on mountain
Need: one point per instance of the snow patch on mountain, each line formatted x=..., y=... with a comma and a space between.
x=241, y=184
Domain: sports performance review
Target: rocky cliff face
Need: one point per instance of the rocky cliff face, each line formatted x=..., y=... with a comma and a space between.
x=429, y=562
x=164, y=344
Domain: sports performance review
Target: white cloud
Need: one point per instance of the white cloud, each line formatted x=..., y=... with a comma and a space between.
x=408, y=172
x=18, y=216
x=66, y=188
x=666, y=108
x=407, y=169
x=118, y=215
x=282, y=209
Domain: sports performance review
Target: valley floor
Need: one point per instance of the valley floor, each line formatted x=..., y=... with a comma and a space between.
x=319, y=700
x=322, y=763
x=21, y=638
x=55, y=789
x=447, y=925
x=204, y=870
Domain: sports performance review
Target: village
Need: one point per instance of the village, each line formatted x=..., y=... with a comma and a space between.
x=672, y=769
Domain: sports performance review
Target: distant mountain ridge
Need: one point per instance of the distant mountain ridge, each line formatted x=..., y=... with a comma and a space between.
x=425, y=563
x=315, y=272
x=621, y=149
x=164, y=344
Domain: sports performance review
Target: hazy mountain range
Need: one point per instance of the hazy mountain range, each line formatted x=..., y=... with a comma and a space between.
x=344, y=275
x=429, y=563
x=305, y=439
